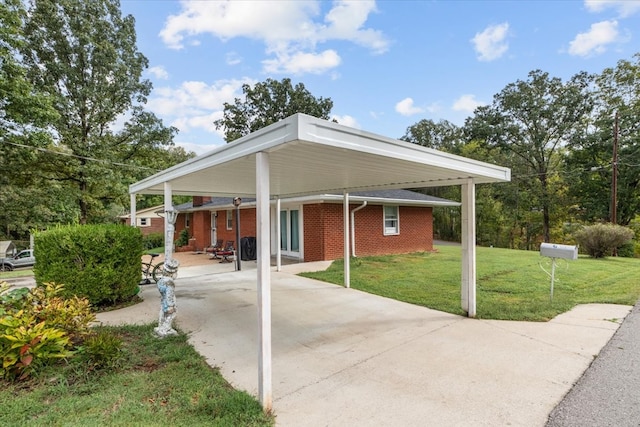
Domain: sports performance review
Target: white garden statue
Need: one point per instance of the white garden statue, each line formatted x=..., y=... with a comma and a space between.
x=167, y=289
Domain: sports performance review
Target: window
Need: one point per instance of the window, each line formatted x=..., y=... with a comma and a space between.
x=144, y=222
x=229, y=219
x=187, y=220
x=391, y=220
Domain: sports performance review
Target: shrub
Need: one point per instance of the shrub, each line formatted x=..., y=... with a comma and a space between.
x=600, y=240
x=98, y=262
x=183, y=239
x=152, y=240
x=102, y=349
x=39, y=326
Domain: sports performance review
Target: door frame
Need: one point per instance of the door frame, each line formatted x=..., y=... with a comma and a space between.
x=276, y=239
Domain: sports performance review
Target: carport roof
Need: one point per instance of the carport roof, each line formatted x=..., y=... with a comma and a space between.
x=308, y=156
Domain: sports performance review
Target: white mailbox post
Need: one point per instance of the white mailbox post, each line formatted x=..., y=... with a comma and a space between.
x=553, y=251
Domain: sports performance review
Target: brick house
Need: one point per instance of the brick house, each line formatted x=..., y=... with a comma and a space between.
x=147, y=220
x=312, y=227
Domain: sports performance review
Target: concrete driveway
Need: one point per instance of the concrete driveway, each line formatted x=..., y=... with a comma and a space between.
x=342, y=357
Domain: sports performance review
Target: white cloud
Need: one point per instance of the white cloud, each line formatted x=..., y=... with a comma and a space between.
x=196, y=148
x=491, y=43
x=159, y=72
x=195, y=104
x=625, y=8
x=595, y=40
x=300, y=63
x=232, y=58
x=204, y=121
x=406, y=107
x=347, y=121
x=467, y=103
x=290, y=30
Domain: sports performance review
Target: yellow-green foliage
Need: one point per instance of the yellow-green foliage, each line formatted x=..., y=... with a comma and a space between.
x=39, y=326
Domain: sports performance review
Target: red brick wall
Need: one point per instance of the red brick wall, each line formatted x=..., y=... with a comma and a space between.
x=323, y=230
x=325, y=243
x=247, y=225
x=200, y=228
x=313, y=232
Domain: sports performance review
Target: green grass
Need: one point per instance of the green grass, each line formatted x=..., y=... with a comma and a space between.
x=510, y=283
x=158, y=382
x=21, y=272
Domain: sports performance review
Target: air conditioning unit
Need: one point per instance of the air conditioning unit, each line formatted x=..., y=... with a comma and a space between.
x=553, y=250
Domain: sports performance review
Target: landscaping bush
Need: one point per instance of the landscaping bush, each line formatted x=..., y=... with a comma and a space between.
x=99, y=262
x=600, y=240
x=153, y=240
x=183, y=239
x=38, y=326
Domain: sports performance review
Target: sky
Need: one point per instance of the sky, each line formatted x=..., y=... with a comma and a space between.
x=386, y=65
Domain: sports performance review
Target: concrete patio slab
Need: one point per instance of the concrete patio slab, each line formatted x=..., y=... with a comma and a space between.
x=342, y=357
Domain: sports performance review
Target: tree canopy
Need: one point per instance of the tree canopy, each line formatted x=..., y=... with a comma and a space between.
x=535, y=120
x=84, y=54
x=266, y=103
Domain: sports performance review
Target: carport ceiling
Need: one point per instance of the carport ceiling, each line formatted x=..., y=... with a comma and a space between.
x=308, y=155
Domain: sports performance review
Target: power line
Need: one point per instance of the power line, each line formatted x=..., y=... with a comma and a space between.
x=92, y=159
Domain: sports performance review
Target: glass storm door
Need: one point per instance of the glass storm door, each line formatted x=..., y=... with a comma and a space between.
x=290, y=232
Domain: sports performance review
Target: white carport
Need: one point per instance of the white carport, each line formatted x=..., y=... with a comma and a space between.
x=303, y=155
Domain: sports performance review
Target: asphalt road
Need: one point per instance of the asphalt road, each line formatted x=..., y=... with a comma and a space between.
x=608, y=394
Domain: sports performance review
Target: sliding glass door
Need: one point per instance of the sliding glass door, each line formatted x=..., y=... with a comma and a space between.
x=290, y=232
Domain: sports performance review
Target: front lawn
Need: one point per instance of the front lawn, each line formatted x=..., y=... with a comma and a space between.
x=156, y=382
x=510, y=283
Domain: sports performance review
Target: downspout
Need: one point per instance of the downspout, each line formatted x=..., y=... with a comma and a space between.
x=353, y=228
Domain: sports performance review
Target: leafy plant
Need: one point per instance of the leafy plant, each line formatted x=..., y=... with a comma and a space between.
x=183, y=239
x=103, y=349
x=25, y=344
x=38, y=326
x=600, y=240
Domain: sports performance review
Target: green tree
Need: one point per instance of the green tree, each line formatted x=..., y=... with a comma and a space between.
x=83, y=52
x=442, y=135
x=535, y=120
x=24, y=115
x=266, y=103
x=617, y=96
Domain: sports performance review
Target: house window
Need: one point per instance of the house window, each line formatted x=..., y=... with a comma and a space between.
x=391, y=220
x=144, y=222
x=229, y=220
x=187, y=220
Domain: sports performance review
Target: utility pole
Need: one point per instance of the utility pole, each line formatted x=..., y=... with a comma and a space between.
x=614, y=177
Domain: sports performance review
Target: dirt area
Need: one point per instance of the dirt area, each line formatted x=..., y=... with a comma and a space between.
x=187, y=259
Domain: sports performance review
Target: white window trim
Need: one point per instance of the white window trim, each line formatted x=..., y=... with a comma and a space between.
x=144, y=222
x=390, y=231
x=229, y=221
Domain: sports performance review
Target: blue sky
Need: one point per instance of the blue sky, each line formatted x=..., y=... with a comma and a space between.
x=386, y=65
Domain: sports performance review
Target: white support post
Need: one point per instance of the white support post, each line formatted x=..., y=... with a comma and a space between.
x=265, y=393
x=468, y=288
x=169, y=227
x=133, y=221
x=278, y=237
x=347, y=258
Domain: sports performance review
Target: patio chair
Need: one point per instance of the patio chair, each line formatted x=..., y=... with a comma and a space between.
x=227, y=252
x=213, y=249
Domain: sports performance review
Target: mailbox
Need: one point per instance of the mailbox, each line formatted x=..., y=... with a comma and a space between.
x=553, y=250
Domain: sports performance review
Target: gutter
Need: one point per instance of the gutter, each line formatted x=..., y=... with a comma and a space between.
x=353, y=228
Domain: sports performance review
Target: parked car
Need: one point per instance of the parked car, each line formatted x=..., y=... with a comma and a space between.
x=24, y=258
